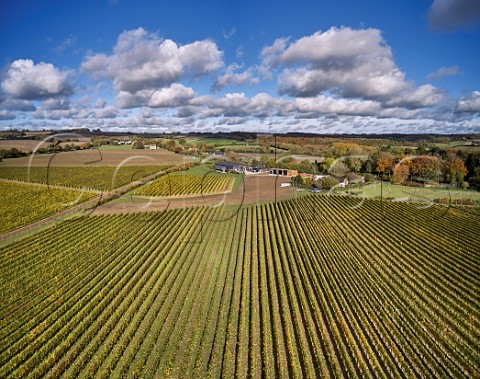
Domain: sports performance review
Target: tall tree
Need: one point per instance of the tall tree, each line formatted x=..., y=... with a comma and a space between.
x=338, y=169
x=384, y=162
x=400, y=173
x=454, y=169
x=474, y=180
x=426, y=167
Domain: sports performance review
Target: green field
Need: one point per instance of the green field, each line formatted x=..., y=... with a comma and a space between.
x=415, y=194
x=216, y=142
x=91, y=177
x=239, y=147
x=464, y=145
x=23, y=204
x=313, y=287
x=116, y=147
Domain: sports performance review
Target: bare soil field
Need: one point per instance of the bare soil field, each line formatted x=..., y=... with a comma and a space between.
x=30, y=145
x=257, y=189
x=22, y=145
x=96, y=157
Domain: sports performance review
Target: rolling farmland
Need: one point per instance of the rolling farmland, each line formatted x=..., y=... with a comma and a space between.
x=319, y=286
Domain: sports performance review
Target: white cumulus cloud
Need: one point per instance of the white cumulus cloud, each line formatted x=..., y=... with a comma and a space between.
x=173, y=96
x=232, y=77
x=351, y=63
x=328, y=105
x=419, y=97
x=29, y=81
x=143, y=61
x=56, y=104
x=470, y=104
x=108, y=112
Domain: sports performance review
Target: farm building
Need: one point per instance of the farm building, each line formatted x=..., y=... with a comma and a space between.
x=230, y=167
x=216, y=153
x=318, y=177
x=343, y=183
x=283, y=172
x=258, y=169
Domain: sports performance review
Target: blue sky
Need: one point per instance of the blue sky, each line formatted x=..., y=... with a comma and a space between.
x=314, y=66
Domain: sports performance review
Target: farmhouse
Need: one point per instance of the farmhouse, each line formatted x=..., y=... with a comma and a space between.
x=230, y=167
x=258, y=170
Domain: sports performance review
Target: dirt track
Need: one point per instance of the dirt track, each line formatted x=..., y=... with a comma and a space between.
x=257, y=189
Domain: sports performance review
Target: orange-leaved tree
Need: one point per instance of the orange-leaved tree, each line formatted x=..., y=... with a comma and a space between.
x=401, y=172
x=454, y=169
x=384, y=162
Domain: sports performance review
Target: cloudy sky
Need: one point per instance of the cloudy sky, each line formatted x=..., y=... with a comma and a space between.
x=320, y=66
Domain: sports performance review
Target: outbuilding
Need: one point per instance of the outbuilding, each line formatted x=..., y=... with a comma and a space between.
x=283, y=172
x=230, y=167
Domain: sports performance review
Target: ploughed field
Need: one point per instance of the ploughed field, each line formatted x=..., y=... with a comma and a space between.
x=318, y=286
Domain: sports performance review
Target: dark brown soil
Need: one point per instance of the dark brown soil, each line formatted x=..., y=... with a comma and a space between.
x=257, y=189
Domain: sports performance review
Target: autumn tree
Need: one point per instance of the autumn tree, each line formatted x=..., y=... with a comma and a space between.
x=232, y=156
x=454, y=169
x=384, y=162
x=170, y=144
x=400, y=173
x=264, y=143
x=138, y=145
x=426, y=167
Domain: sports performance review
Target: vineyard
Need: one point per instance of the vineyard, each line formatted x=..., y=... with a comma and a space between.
x=24, y=203
x=188, y=185
x=320, y=286
x=104, y=178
